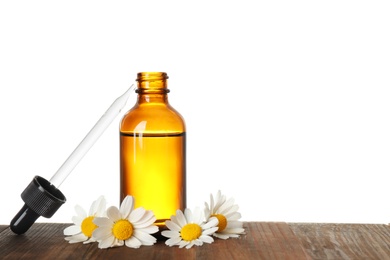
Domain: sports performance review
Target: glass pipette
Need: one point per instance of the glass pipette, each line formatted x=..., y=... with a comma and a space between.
x=42, y=197
x=88, y=141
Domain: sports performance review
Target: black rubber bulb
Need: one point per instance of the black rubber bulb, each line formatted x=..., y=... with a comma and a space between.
x=41, y=198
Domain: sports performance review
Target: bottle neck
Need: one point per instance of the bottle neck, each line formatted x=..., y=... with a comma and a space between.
x=152, y=87
x=152, y=98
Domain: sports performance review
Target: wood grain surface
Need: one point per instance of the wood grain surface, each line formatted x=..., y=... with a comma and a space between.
x=263, y=240
x=344, y=241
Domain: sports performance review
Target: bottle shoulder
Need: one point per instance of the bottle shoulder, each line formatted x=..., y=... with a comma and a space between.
x=153, y=119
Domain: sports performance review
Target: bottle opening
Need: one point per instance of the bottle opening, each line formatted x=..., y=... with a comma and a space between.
x=152, y=82
x=151, y=76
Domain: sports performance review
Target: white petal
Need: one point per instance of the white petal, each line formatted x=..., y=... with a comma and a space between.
x=190, y=244
x=232, y=235
x=103, y=222
x=172, y=226
x=149, y=215
x=207, y=210
x=173, y=241
x=114, y=214
x=234, y=216
x=197, y=216
x=76, y=238
x=133, y=242
x=211, y=203
x=100, y=206
x=222, y=201
x=145, y=238
x=102, y=233
x=232, y=209
x=72, y=241
x=197, y=242
x=127, y=206
x=188, y=215
x=233, y=231
x=183, y=244
x=219, y=200
x=143, y=224
x=90, y=240
x=136, y=215
x=77, y=220
x=210, y=231
x=170, y=233
x=174, y=220
x=234, y=224
x=80, y=211
x=226, y=206
x=150, y=230
x=206, y=239
x=118, y=242
x=181, y=219
x=221, y=236
x=106, y=243
x=211, y=223
x=92, y=208
x=72, y=230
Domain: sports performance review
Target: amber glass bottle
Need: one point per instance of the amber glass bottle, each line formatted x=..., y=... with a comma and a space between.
x=153, y=150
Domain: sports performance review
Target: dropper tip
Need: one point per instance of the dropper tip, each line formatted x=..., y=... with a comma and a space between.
x=131, y=88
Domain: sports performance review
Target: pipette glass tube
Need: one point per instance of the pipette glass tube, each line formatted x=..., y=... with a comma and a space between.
x=88, y=141
x=42, y=197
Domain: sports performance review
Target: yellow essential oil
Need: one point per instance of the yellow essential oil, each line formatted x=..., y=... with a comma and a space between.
x=153, y=150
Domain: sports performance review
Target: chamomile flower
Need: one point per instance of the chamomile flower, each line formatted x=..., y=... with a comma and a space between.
x=188, y=229
x=125, y=225
x=226, y=213
x=83, y=226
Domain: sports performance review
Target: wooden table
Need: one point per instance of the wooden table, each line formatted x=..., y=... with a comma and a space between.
x=263, y=240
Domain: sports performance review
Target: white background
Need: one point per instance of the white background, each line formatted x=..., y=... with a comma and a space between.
x=287, y=103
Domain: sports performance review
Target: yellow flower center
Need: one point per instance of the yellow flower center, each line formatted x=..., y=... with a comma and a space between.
x=122, y=229
x=87, y=226
x=191, y=232
x=222, y=221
